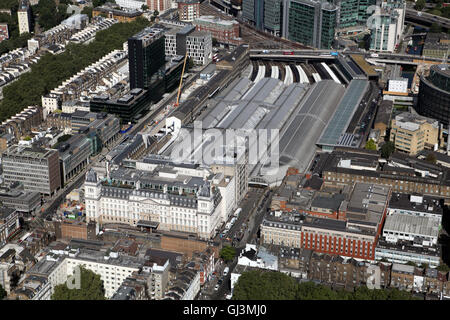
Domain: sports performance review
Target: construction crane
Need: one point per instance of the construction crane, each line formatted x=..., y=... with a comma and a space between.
x=181, y=82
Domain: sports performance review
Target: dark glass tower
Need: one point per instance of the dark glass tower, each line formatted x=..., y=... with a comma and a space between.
x=434, y=94
x=146, y=56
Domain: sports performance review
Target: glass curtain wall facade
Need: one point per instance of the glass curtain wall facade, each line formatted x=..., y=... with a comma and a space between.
x=434, y=94
x=329, y=16
x=273, y=16
x=311, y=23
x=146, y=60
x=302, y=20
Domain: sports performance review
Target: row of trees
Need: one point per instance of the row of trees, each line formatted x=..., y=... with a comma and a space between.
x=51, y=70
x=260, y=285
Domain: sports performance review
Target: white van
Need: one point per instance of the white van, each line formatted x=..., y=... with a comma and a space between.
x=225, y=271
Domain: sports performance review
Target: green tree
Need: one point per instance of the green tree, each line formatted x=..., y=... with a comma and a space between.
x=88, y=11
x=214, y=42
x=410, y=263
x=51, y=70
x=260, y=285
x=228, y=253
x=91, y=288
x=2, y=293
x=269, y=285
x=420, y=4
x=443, y=267
x=144, y=7
x=190, y=63
x=387, y=149
x=435, y=28
x=370, y=145
x=431, y=158
x=155, y=13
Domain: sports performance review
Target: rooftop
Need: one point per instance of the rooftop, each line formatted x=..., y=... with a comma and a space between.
x=418, y=203
x=414, y=225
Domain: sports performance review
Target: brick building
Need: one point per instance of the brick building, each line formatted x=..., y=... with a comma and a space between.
x=188, y=10
x=405, y=174
x=4, y=34
x=224, y=31
x=355, y=234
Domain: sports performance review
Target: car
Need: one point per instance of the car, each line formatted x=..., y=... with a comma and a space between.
x=225, y=271
x=220, y=281
x=216, y=287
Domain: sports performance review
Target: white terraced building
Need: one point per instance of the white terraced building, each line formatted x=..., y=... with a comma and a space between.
x=182, y=198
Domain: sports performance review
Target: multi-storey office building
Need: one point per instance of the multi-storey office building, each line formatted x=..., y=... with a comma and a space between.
x=253, y=12
x=403, y=173
x=386, y=26
x=273, y=16
x=146, y=57
x=24, y=16
x=434, y=94
x=354, y=236
x=22, y=201
x=196, y=44
x=36, y=168
x=168, y=198
x=188, y=10
x=412, y=133
x=310, y=22
x=113, y=268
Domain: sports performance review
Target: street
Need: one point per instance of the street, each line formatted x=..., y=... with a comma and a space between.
x=245, y=229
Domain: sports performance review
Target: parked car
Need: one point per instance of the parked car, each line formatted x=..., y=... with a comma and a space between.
x=216, y=287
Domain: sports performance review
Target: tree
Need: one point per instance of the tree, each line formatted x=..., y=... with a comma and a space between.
x=155, y=13
x=443, y=267
x=51, y=70
x=387, y=149
x=144, y=7
x=260, y=285
x=431, y=158
x=271, y=285
x=214, y=42
x=91, y=288
x=227, y=253
x=410, y=263
x=88, y=11
x=2, y=293
x=435, y=28
x=47, y=14
x=190, y=63
x=420, y=4
x=370, y=145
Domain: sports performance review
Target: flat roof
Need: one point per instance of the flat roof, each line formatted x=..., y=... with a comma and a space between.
x=414, y=225
x=363, y=65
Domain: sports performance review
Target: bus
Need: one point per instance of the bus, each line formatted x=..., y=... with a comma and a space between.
x=288, y=53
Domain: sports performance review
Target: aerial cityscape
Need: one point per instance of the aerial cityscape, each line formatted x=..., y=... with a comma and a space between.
x=224, y=150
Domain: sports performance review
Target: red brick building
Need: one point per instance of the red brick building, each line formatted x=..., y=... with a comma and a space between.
x=224, y=31
x=356, y=235
x=4, y=34
x=159, y=5
x=188, y=10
